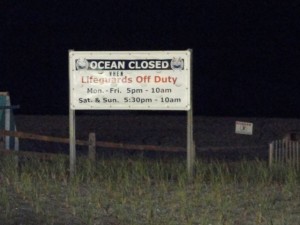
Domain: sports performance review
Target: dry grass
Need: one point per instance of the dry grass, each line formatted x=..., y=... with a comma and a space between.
x=144, y=191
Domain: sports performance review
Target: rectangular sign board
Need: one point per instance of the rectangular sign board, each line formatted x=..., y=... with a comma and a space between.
x=243, y=128
x=135, y=80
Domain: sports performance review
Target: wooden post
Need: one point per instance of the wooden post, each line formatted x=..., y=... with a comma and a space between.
x=190, y=145
x=1, y=143
x=92, y=147
x=270, y=154
x=72, y=130
x=296, y=155
x=7, y=139
x=190, y=132
x=72, y=137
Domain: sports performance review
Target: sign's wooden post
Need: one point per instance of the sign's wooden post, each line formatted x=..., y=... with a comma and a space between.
x=190, y=132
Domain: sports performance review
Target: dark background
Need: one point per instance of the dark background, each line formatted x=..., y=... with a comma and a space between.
x=245, y=53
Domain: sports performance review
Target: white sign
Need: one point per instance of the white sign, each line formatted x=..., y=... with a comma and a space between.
x=155, y=80
x=243, y=128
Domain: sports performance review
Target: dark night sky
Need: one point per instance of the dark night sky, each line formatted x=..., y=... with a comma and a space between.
x=246, y=53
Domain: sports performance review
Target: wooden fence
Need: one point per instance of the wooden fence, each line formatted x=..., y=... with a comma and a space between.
x=92, y=144
x=284, y=153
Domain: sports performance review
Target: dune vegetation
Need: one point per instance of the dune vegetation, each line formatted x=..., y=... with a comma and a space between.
x=142, y=190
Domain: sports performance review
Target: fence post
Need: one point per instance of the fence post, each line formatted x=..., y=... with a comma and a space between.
x=92, y=147
x=296, y=155
x=270, y=154
x=1, y=144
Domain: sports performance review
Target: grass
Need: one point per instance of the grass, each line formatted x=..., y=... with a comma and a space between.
x=147, y=191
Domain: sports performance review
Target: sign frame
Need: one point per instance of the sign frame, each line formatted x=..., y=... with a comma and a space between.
x=140, y=80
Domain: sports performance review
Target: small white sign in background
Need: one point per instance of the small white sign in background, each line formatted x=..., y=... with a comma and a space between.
x=243, y=128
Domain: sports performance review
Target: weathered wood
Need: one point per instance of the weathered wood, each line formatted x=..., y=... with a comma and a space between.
x=92, y=147
x=103, y=144
x=2, y=144
x=139, y=147
x=38, y=137
x=271, y=154
x=283, y=152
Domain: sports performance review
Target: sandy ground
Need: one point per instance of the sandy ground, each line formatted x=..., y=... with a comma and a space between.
x=215, y=135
